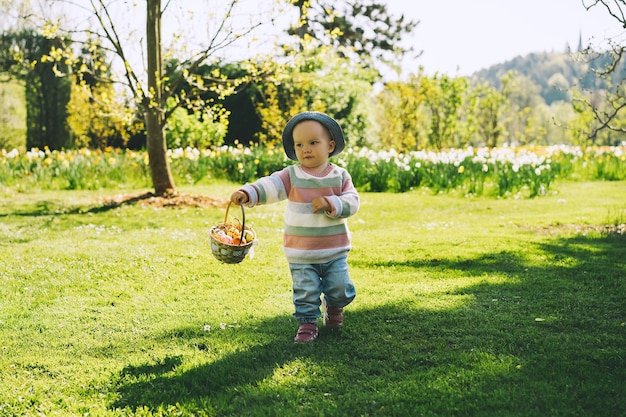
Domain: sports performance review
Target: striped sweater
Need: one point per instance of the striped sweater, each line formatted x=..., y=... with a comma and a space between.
x=310, y=238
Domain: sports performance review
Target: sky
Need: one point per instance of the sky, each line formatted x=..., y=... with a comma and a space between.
x=459, y=37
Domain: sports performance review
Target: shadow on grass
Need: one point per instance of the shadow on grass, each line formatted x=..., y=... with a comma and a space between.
x=578, y=253
x=550, y=341
x=175, y=200
x=51, y=208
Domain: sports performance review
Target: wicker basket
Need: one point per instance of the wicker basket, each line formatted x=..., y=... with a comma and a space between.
x=235, y=253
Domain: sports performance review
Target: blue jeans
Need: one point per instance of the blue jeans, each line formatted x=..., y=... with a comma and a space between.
x=310, y=281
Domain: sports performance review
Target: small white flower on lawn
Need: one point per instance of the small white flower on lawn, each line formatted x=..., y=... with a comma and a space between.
x=207, y=327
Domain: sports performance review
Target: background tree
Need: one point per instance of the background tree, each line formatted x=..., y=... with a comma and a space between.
x=25, y=56
x=96, y=118
x=522, y=119
x=364, y=32
x=401, y=117
x=234, y=117
x=488, y=110
x=152, y=90
x=443, y=96
x=611, y=113
x=153, y=103
x=317, y=79
x=363, y=27
x=12, y=113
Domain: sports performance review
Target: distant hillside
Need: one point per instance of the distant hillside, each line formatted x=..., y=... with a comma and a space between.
x=553, y=73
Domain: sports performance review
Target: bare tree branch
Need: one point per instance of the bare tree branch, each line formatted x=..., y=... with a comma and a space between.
x=106, y=23
x=615, y=8
x=609, y=114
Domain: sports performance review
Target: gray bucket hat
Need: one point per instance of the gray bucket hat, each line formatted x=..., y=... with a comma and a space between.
x=331, y=124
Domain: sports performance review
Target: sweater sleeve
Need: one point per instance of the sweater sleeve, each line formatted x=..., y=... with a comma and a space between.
x=347, y=203
x=267, y=190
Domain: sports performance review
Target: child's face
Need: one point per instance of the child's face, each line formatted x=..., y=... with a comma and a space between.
x=313, y=144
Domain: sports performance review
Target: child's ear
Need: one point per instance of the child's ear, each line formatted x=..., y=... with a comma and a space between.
x=331, y=146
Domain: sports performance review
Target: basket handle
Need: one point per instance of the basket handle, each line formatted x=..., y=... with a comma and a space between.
x=243, y=220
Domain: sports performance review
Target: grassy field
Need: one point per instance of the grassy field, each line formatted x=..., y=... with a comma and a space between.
x=465, y=307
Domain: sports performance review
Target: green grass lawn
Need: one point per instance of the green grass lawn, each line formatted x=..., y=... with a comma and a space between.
x=465, y=307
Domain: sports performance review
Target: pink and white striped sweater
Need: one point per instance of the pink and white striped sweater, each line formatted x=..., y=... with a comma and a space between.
x=310, y=238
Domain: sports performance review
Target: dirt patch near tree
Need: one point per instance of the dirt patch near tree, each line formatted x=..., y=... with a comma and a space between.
x=174, y=200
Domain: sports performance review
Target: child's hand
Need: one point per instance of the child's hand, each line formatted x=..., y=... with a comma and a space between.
x=320, y=204
x=239, y=198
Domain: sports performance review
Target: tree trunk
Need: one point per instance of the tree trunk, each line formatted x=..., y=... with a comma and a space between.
x=162, y=180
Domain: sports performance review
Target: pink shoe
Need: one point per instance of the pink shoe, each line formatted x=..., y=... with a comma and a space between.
x=307, y=332
x=333, y=316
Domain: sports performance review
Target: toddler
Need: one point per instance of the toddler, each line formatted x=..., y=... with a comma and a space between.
x=316, y=239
